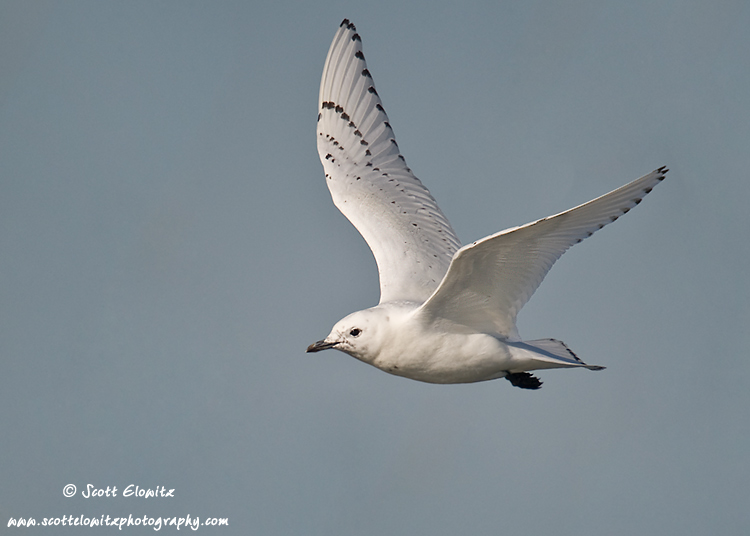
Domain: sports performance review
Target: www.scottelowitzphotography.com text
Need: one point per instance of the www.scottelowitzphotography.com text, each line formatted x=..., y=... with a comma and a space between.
x=155, y=523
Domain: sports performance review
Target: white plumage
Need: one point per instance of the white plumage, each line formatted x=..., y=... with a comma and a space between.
x=447, y=313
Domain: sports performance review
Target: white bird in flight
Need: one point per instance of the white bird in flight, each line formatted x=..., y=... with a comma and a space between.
x=447, y=314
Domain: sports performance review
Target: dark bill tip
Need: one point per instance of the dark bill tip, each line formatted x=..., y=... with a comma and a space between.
x=320, y=345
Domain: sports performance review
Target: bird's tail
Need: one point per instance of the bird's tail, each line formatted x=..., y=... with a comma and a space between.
x=547, y=353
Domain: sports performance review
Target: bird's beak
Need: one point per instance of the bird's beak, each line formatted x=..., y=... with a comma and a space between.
x=321, y=345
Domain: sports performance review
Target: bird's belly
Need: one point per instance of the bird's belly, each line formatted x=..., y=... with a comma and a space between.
x=450, y=358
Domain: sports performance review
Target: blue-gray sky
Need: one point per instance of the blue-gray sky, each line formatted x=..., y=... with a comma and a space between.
x=168, y=249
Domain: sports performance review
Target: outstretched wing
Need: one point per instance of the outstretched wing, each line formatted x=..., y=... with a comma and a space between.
x=490, y=280
x=370, y=183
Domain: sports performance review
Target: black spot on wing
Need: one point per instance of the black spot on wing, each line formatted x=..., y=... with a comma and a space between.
x=366, y=72
x=359, y=55
x=371, y=89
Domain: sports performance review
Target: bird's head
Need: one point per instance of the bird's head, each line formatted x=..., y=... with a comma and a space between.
x=360, y=335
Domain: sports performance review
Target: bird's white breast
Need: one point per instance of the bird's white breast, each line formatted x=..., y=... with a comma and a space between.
x=415, y=352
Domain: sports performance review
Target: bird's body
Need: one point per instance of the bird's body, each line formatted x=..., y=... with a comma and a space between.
x=401, y=345
x=447, y=314
x=396, y=338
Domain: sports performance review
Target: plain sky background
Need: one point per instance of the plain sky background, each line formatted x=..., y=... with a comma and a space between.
x=168, y=248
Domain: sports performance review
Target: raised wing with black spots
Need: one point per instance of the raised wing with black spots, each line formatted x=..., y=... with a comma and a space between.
x=370, y=183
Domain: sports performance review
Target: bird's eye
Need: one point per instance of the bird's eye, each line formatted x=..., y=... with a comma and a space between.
x=355, y=332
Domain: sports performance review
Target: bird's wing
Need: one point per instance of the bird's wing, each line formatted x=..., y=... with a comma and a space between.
x=370, y=183
x=489, y=281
